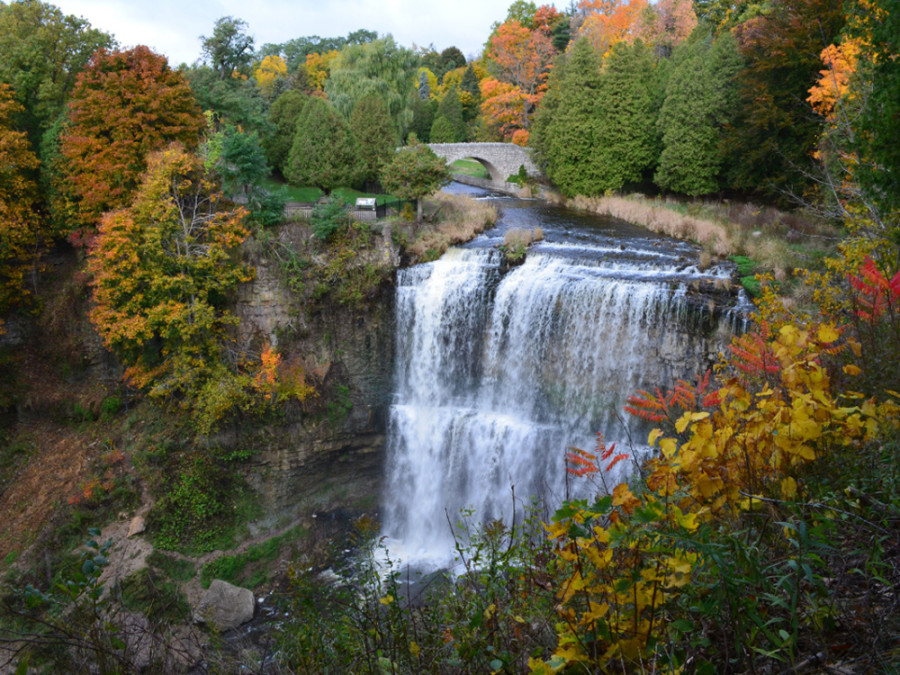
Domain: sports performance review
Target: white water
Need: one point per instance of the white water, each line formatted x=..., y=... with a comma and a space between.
x=498, y=375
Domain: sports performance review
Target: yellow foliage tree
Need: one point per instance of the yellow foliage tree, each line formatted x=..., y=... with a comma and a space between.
x=267, y=74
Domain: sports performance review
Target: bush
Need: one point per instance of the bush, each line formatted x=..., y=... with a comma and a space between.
x=329, y=218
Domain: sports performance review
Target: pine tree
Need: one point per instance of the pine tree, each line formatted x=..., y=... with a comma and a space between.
x=376, y=137
x=449, y=125
x=283, y=116
x=323, y=153
x=565, y=126
x=626, y=135
x=700, y=97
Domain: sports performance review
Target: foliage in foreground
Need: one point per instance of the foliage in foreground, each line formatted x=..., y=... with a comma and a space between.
x=762, y=535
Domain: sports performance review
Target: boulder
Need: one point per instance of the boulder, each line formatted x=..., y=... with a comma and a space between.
x=225, y=606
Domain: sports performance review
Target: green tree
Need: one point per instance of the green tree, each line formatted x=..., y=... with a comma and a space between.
x=235, y=100
x=414, y=172
x=283, y=116
x=774, y=133
x=878, y=128
x=124, y=106
x=449, y=125
x=565, y=127
x=626, y=135
x=423, y=117
x=471, y=86
x=162, y=270
x=42, y=50
x=381, y=66
x=376, y=138
x=229, y=50
x=700, y=97
x=324, y=152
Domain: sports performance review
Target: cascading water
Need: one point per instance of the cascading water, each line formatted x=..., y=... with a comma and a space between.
x=498, y=373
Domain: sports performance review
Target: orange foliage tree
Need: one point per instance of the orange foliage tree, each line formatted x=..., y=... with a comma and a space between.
x=19, y=224
x=124, y=105
x=161, y=271
x=519, y=62
x=607, y=22
x=666, y=24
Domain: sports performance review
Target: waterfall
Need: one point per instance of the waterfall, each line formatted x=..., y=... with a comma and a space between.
x=498, y=373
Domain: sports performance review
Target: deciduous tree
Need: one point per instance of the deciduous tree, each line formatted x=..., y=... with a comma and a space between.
x=162, y=269
x=19, y=223
x=269, y=73
x=413, y=173
x=229, y=50
x=125, y=105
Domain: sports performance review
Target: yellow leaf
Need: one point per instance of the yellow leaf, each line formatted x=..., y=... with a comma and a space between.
x=827, y=333
x=668, y=447
x=386, y=600
x=850, y=369
x=414, y=649
x=655, y=434
x=683, y=422
x=788, y=488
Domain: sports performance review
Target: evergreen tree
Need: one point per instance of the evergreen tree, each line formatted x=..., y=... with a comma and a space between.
x=449, y=125
x=626, y=135
x=283, y=116
x=700, y=97
x=414, y=172
x=323, y=153
x=566, y=126
x=423, y=117
x=470, y=85
x=376, y=138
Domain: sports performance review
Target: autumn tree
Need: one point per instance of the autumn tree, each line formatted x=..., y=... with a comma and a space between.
x=376, y=138
x=271, y=71
x=162, y=270
x=700, y=100
x=518, y=61
x=667, y=24
x=413, y=173
x=608, y=22
x=323, y=153
x=19, y=222
x=229, y=50
x=124, y=106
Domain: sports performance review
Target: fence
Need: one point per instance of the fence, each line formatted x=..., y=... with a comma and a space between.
x=300, y=210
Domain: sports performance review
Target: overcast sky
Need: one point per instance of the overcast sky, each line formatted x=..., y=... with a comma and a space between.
x=174, y=27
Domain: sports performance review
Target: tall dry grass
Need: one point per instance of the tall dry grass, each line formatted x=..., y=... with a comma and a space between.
x=458, y=220
x=778, y=241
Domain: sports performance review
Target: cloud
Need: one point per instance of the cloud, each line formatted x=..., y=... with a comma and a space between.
x=174, y=27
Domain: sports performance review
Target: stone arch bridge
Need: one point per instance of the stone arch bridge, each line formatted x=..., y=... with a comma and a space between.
x=502, y=160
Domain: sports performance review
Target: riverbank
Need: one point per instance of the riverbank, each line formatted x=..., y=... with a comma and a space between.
x=762, y=240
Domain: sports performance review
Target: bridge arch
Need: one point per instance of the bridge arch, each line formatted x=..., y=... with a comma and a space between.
x=502, y=160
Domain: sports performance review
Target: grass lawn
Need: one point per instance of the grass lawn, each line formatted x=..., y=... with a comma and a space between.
x=312, y=194
x=470, y=167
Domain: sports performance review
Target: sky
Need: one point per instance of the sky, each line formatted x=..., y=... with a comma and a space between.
x=174, y=27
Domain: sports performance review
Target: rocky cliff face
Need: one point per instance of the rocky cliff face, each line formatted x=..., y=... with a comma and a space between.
x=328, y=456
